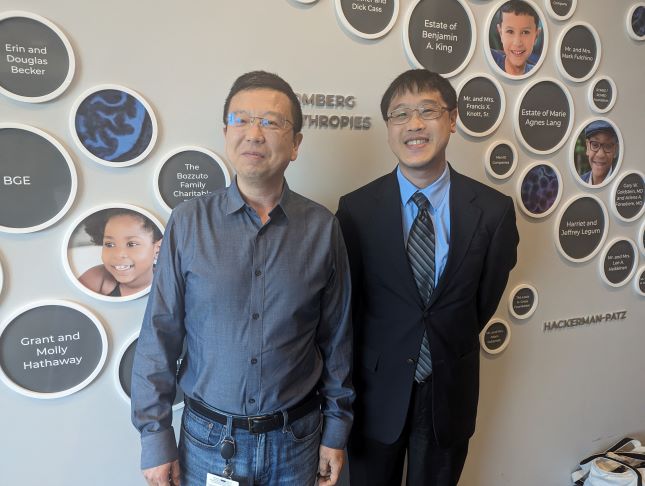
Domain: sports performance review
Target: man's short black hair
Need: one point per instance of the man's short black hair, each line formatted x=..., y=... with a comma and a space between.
x=95, y=223
x=417, y=81
x=265, y=80
x=519, y=7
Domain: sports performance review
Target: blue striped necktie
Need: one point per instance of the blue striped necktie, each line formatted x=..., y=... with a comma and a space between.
x=421, y=257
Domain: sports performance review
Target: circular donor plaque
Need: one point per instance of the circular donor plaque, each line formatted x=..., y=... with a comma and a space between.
x=501, y=159
x=582, y=228
x=37, y=176
x=440, y=35
x=540, y=189
x=124, y=372
x=189, y=172
x=561, y=9
x=544, y=116
x=481, y=104
x=515, y=42
x=37, y=61
x=368, y=19
x=113, y=125
x=596, y=153
x=641, y=238
x=618, y=262
x=495, y=336
x=627, y=196
x=578, y=52
x=602, y=94
x=639, y=281
x=523, y=301
x=636, y=21
x=51, y=349
x=110, y=252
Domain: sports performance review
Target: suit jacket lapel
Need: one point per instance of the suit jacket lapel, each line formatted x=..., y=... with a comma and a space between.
x=464, y=218
x=387, y=217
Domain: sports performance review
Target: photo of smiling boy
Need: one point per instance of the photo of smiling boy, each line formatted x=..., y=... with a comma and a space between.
x=129, y=244
x=516, y=38
x=596, y=153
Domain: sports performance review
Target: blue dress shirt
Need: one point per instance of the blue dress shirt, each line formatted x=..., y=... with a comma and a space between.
x=438, y=194
x=264, y=310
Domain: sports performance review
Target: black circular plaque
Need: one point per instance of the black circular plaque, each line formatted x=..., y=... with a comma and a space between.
x=37, y=61
x=561, y=9
x=125, y=373
x=495, y=336
x=581, y=228
x=523, y=301
x=37, y=177
x=440, y=35
x=368, y=18
x=481, y=105
x=602, y=94
x=627, y=196
x=619, y=262
x=51, y=349
x=544, y=116
x=579, y=52
x=639, y=282
x=501, y=160
x=190, y=172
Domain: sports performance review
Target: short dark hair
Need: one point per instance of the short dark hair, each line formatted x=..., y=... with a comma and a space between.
x=519, y=7
x=95, y=223
x=265, y=80
x=416, y=81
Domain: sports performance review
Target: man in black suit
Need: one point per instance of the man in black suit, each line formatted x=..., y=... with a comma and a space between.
x=430, y=252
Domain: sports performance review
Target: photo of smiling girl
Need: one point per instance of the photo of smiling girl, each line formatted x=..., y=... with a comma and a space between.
x=129, y=244
x=516, y=38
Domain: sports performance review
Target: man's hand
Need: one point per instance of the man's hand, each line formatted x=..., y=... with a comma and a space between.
x=164, y=475
x=329, y=466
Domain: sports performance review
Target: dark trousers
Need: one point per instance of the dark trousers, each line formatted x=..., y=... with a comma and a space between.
x=373, y=463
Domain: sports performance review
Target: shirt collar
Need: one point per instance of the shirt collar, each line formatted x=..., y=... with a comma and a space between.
x=435, y=192
x=235, y=201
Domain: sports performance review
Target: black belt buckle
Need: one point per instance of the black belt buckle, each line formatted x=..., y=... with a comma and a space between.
x=257, y=424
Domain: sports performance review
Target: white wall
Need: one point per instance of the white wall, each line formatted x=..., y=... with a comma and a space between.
x=547, y=401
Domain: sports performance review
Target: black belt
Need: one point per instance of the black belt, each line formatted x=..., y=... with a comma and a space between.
x=259, y=424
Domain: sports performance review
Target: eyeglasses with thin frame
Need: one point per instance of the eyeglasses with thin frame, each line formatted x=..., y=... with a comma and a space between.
x=268, y=121
x=425, y=111
x=608, y=148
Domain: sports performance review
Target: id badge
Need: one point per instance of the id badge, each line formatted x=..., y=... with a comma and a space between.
x=214, y=480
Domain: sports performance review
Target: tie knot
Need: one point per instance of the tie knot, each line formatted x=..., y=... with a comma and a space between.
x=420, y=200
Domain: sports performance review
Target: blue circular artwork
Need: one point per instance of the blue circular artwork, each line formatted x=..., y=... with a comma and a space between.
x=114, y=126
x=540, y=190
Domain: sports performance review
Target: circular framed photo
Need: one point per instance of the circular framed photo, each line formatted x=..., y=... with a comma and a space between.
x=635, y=21
x=113, y=125
x=516, y=41
x=110, y=252
x=596, y=153
x=540, y=189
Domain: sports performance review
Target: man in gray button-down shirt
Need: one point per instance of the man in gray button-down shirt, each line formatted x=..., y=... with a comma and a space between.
x=255, y=279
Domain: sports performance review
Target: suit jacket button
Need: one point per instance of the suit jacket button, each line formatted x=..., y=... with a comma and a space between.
x=410, y=361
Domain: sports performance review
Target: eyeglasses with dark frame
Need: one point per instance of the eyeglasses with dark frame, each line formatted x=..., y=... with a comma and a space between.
x=608, y=148
x=268, y=121
x=425, y=111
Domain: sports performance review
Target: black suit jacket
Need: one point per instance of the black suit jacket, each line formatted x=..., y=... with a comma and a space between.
x=389, y=317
